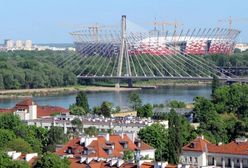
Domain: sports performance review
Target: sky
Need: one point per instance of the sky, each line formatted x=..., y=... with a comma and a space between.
x=50, y=21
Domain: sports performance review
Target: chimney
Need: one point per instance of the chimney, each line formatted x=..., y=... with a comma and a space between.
x=220, y=143
x=82, y=140
x=120, y=162
x=107, y=137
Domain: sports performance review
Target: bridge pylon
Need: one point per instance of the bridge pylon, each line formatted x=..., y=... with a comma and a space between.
x=123, y=53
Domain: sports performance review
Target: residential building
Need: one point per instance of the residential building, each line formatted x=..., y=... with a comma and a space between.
x=104, y=147
x=29, y=110
x=202, y=153
x=117, y=124
x=119, y=163
x=28, y=45
x=29, y=157
x=9, y=44
x=19, y=44
x=242, y=46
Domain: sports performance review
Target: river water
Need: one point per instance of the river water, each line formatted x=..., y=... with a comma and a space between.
x=153, y=96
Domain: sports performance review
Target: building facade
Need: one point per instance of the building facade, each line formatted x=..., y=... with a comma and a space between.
x=201, y=153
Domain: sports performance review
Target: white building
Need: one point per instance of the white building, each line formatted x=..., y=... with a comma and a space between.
x=201, y=153
x=9, y=44
x=118, y=124
x=29, y=157
x=28, y=45
x=242, y=46
x=19, y=44
x=26, y=110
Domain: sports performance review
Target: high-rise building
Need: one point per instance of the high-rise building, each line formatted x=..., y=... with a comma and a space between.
x=19, y=44
x=28, y=45
x=8, y=43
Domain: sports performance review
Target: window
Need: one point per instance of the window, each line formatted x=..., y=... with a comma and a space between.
x=196, y=159
x=190, y=159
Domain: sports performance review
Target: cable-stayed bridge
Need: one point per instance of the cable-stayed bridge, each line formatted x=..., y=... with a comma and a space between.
x=124, y=54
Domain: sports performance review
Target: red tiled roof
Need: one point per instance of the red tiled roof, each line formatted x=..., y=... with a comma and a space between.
x=75, y=163
x=26, y=102
x=230, y=148
x=100, y=145
x=7, y=110
x=200, y=145
x=48, y=110
x=171, y=166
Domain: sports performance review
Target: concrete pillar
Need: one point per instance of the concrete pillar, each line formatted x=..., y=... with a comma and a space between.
x=130, y=83
x=215, y=162
x=65, y=128
x=223, y=163
x=232, y=163
x=117, y=85
x=241, y=163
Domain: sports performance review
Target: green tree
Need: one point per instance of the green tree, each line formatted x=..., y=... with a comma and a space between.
x=55, y=136
x=128, y=155
x=1, y=82
x=96, y=110
x=176, y=104
x=77, y=110
x=6, y=136
x=157, y=136
x=50, y=160
x=215, y=83
x=91, y=131
x=211, y=124
x=106, y=108
x=175, y=137
x=145, y=111
x=19, y=145
x=9, y=121
x=134, y=101
x=7, y=162
x=82, y=101
x=78, y=123
x=28, y=134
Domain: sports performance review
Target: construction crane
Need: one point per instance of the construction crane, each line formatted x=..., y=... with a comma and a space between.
x=163, y=24
x=230, y=21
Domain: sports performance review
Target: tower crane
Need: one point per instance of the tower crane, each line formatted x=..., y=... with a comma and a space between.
x=230, y=21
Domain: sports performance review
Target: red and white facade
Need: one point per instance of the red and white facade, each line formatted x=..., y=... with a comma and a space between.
x=201, y=153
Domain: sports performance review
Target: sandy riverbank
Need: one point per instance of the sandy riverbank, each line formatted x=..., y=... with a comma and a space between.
x=60, y=90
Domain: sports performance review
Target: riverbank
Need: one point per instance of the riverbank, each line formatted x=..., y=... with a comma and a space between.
x=60, y=90
x=161, y=83
x=151, y=84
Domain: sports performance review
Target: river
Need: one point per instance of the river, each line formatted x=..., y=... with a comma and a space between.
x=153, y=96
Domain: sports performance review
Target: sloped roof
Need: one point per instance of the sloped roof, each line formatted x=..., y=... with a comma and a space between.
x=233, y=148
x=100, y=146
x=26, y=102
x=200, y=145
x=48, y=110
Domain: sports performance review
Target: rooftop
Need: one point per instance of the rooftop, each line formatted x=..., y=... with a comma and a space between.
x=236, y=147
x=108, y=146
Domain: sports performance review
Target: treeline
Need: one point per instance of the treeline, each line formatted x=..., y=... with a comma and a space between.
x=222, y=118
x=17, y=136
x=237, y=59
x=34, y=69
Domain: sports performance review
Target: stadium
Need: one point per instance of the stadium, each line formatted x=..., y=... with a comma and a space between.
x=106, y=42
